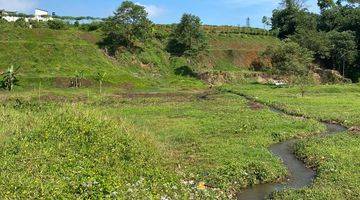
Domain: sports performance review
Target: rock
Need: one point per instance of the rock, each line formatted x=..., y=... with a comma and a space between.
x=355, y=129
x=330, y=76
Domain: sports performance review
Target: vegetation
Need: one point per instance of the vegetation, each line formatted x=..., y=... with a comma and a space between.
x=187, y=37
x=333, y=35
x=289, y=59
x=121, y=152
x=336, y=160
x=10, y=79
x=128, y=27
x=57, y=24
x=142, y=121
x=321, y=102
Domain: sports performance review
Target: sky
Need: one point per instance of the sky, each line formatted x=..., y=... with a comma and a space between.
x=214, y=12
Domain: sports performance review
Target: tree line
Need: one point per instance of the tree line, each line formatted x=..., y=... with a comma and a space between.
x=332, y=36
x=130, y=27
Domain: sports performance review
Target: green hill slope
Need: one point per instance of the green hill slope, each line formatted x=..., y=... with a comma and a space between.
x=54, y=57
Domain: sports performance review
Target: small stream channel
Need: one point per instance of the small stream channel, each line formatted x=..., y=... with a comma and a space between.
x=299, y=175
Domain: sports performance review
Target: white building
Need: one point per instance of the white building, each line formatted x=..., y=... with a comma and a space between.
x=39, y=15
x=42, y=15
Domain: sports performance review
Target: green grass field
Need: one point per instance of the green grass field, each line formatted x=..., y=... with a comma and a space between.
x=152, y=133
x=335, y=157
x=171, y=141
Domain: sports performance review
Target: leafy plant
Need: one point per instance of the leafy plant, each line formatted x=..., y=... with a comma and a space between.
x=10, y=79
x=79, y=76
x=100, y=77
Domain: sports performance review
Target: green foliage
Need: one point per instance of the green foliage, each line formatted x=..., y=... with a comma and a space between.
x=188, y=37
x=289, y=58
x=76, y=23
x=317, y=42
x=57, y=24
x=291, y=18
x=93, y=26
x=336, y=159
x=321, y=102
x=344, y=50
x=21, y=23
x=10, y=79
x=38, y=24
x=71, y=152
x=128, y=27
x=100, y=77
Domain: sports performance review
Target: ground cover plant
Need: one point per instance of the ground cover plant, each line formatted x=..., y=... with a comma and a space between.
x=337, y=161
x=73, y=152
x=334, y=157
x=149, y=146
x=325, y=102
x=218, y=140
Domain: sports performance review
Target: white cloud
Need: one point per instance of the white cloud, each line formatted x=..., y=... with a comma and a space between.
x=18, y=5
x=153, y=10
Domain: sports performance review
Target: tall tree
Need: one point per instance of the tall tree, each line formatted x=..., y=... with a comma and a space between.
x=129, y=26
x=292, y=16
x=344, y=49
x=188, y=37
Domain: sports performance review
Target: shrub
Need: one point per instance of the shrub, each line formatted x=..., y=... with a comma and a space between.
x=57, y=24
x=289, y=59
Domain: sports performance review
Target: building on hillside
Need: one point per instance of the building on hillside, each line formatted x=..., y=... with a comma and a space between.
x=9, y=16
x=39, y=15
x=42, y=15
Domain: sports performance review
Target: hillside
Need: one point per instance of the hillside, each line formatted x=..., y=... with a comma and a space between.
x=54, y=57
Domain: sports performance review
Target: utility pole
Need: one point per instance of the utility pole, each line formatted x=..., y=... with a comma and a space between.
x=248, y=22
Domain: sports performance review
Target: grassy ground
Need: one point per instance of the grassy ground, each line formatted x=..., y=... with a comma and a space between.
x=176, y=141
x=335, y=157
x=327, y=102
x=337, y=161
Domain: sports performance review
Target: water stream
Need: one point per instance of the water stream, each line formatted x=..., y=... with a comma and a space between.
x=299, y=175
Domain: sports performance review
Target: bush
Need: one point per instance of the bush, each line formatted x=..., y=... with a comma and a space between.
x=93, y=26
x=57, y=24
x=289, y=59
x=21, y=23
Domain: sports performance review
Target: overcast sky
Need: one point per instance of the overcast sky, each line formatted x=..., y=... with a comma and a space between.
x=217, y=12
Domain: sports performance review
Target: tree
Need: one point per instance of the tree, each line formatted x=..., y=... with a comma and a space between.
x=291, y=17
x=343, y=49
x=289, y=59
x=325, y=4
x=188, y=37
x=129, y=26
x=10, y=79
x=77, y=23
x=317, y=42
x=266, y=21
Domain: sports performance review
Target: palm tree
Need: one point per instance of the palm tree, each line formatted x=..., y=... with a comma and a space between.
x=10, y=78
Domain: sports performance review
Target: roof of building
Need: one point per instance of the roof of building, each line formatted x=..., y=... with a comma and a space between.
x=41, y=10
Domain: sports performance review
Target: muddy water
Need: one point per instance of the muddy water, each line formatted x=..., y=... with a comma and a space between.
x=299, y=175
